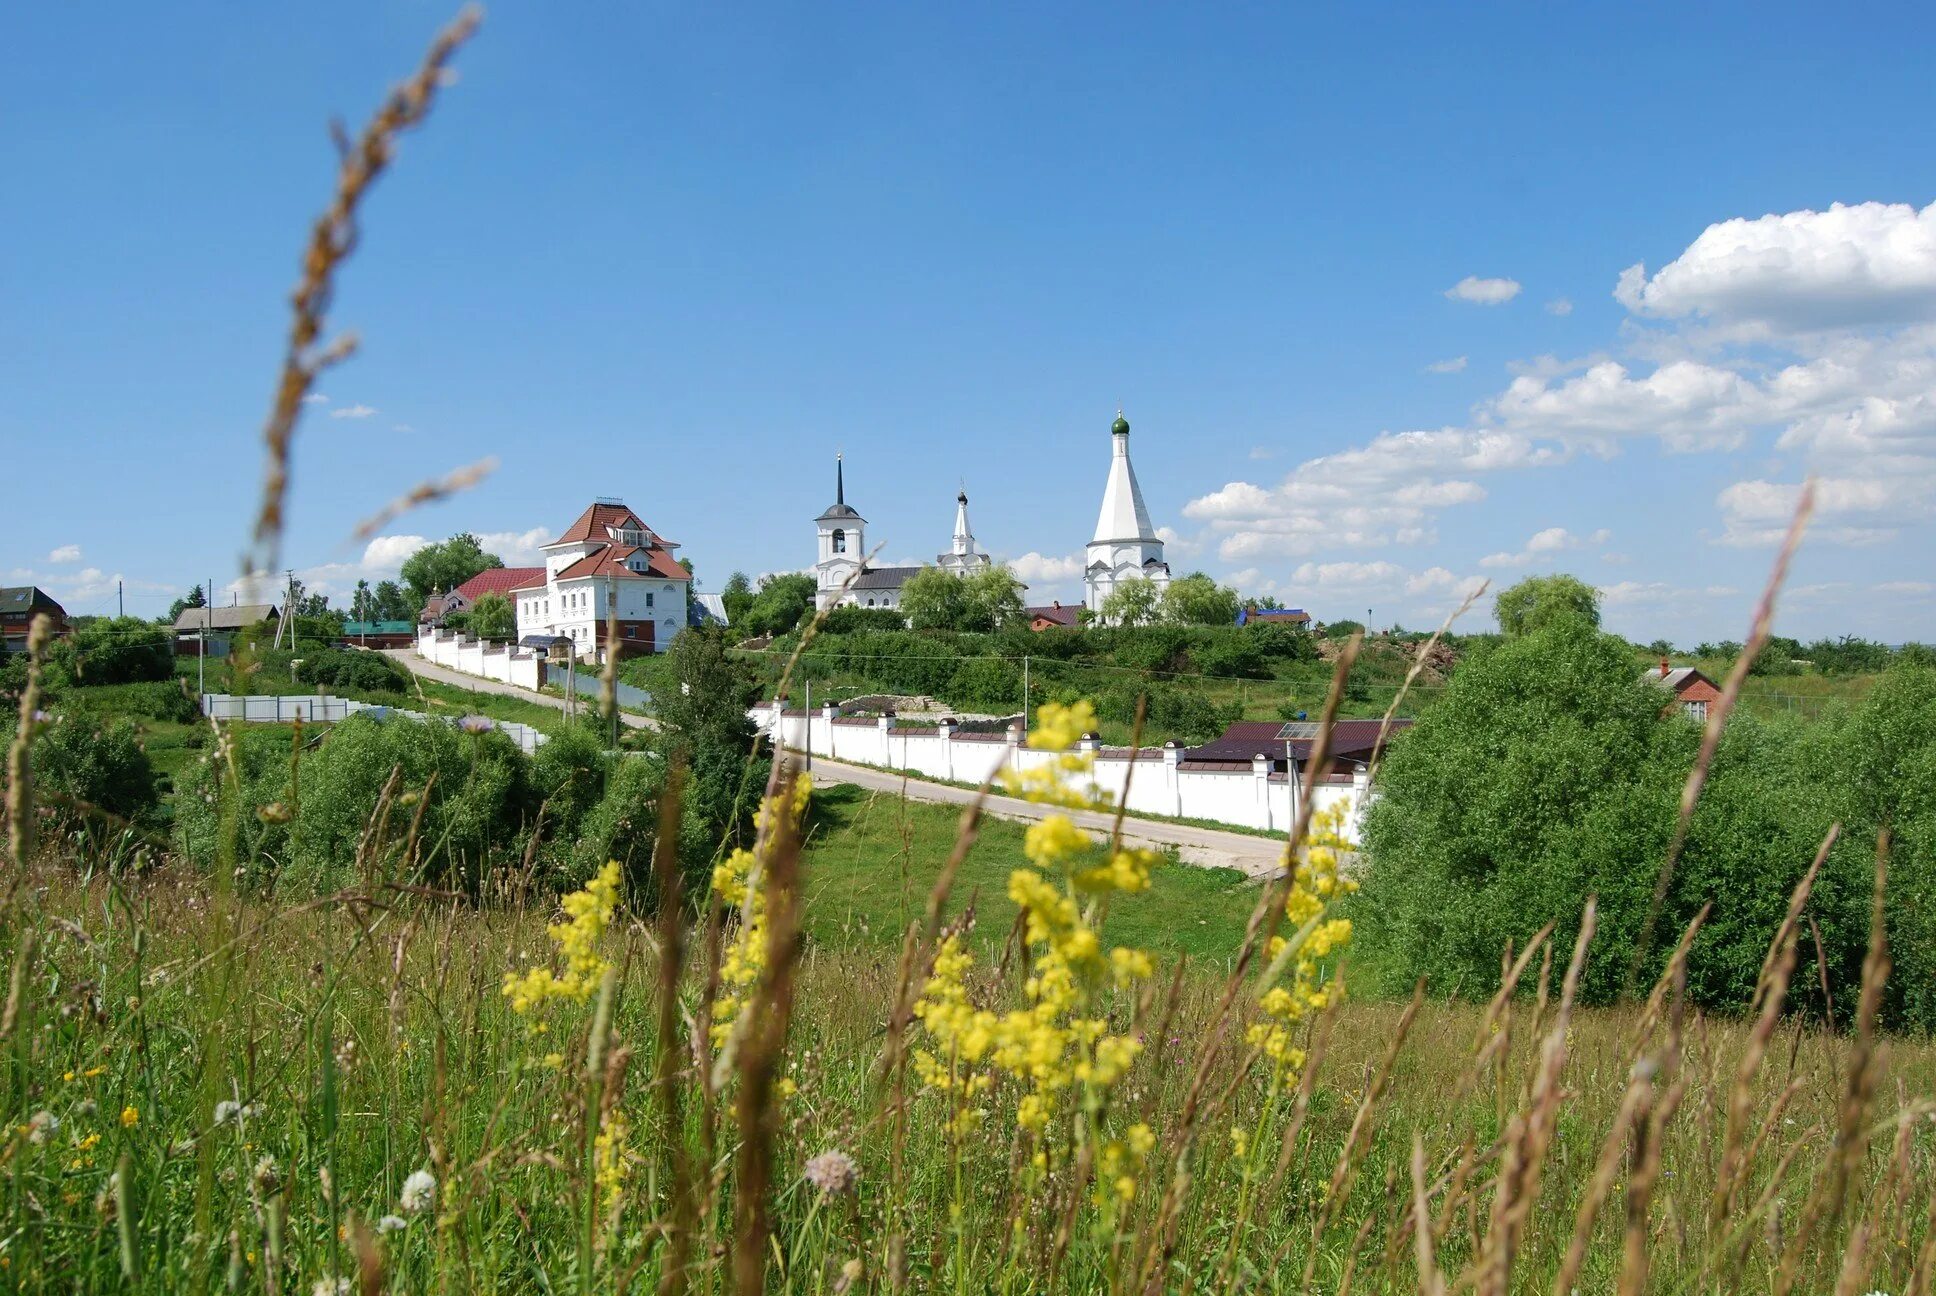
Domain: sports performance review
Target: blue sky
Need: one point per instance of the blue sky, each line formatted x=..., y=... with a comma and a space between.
x=683, y=254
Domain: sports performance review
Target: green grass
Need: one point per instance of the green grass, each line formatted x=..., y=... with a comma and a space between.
x=872, y=859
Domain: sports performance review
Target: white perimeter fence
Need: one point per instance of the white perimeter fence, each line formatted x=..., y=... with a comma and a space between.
x=321, y=708
x=1242, y=793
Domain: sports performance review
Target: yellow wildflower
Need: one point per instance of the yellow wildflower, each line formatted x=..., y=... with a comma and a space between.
x=130, y=1116
x=588, y=913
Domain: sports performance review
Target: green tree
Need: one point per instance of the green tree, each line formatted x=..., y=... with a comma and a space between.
x=991, y=600
x=363, y=603
x=193, y=599
x=1134, y=602
x=1540, y=600
x=1547, y=773
x=780, y=604
x=737, y=597
x=393, y=603
x=492, y=618
x=1198, y=600
x=703, y=719
x=442, y=567
x=1343, y=629
x=931, y=599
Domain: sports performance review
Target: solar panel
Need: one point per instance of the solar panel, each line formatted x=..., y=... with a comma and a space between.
x=1299, y=729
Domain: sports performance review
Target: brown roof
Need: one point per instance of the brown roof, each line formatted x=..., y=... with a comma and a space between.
x=1054, y=613
x=612, y=559
x=599, y=520
x=498, y=580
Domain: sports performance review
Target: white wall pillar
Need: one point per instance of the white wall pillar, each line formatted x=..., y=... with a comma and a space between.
x=1260, y=773
x=1172, y=788
x=947, y=729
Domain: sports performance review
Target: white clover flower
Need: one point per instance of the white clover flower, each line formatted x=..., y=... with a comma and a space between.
x=327, y=1286
x=42, y=1126
x=418, y=1191
x=226, y=1111
x=391, y=1224
x=833, y=1172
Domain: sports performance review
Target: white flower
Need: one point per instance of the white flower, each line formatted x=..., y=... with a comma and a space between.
x=418, y=1190
x=390, y=1224
x=832, y=1172
x=327, y=1286
x=226, y=1111
x=41, y=1126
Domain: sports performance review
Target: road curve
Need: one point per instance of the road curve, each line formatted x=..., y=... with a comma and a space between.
x=416, y=665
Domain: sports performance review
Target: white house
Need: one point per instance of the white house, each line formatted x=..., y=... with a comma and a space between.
x=841, y=561
x=608, y=559
x=1125, y=546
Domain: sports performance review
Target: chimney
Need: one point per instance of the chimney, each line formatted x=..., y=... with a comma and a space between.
x=1663, y=668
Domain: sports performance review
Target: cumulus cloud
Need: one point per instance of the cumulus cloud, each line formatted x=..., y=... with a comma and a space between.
x=1387, y=492
x=1041, y=569
x=1867, y=264
x=1455, y=365
x=1484, y=292
x=1543, y=544
x=1262, y=452
x=1559, y=306
x=353, y=412
x=315, y=398
x=517, y=548
x=65, y=554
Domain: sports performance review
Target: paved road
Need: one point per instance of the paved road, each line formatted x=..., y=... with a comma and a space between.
x=1257, y=856
x=416, y=665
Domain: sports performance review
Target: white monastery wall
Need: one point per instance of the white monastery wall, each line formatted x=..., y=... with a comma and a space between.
x=1158, y=783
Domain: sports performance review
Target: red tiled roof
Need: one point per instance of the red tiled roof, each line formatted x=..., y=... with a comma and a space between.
x=611, y=560
x=1055, y=613
x=596, y=522
x=498, y=580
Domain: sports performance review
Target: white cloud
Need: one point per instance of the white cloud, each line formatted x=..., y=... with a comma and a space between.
x=315, y=398
x=517, y=548
x=1544, y=543
x=1455, y=365
x=1040, y=569
x=353, y=412
x=1484, y=292
x=1559, y=306
x=1348, y=577
x=1906, y=588
x=1262, y=452
x=1659, y=593
x=403, y=427
x=1802, y=271
x=1387, y=492
x=65, y=554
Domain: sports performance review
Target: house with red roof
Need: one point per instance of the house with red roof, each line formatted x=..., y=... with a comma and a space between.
x=492, y=580
x=607, y=565
x=1691, y=689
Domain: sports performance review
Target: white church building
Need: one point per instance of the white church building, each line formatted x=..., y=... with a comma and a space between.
x=1125, y=546
x=842, y=574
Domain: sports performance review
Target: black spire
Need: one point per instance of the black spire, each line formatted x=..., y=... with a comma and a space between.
x=840, y=480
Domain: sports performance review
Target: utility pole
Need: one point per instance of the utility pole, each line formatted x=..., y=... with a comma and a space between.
x=201, y=656
x=1025, y=693
x=120, y=604
x=808, y=765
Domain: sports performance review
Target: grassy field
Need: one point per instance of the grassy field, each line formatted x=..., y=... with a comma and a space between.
x=872, y=858
x=209, y=1093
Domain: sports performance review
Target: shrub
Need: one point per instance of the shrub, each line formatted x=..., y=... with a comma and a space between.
x=92, y=764
x=849, y=619
x=345, y=668
x=480, y=805
x=986, y=682
x=117, y=650
x=165, y=700
x=1231, y=656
